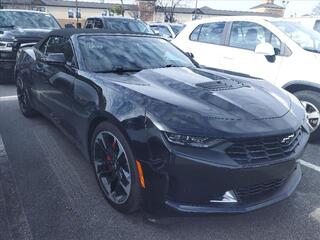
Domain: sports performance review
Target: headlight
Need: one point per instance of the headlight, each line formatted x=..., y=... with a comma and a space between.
x=192, y=141
x=6, y=46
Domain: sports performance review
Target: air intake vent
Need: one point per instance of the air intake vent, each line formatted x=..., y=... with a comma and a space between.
x=221, y=84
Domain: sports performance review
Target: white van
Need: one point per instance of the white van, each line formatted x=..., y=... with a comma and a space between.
x=283, y=52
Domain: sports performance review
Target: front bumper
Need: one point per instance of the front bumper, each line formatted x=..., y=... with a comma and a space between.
x=265, y=200
x=195, y=180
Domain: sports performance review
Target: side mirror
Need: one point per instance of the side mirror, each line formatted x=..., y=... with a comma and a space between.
x=265, y=49
x=190, y=54
x=55, y=59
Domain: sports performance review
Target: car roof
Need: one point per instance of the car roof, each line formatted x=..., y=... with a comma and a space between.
x=232, y=18
x=21, y=10
x=113, y=17
x=165, y=24
x=68, y=33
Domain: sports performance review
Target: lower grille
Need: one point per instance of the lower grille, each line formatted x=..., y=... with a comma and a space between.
x=260, y=150
x=260, y=188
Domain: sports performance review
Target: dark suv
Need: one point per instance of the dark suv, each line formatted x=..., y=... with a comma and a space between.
x=18, y=28
x=121, y=24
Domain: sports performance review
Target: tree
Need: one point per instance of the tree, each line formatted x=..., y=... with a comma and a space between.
x=316, y=10
x=168, y=7
x=117, y=9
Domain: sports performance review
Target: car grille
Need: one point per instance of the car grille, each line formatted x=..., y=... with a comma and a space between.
x=260, y=188
x=260, y=150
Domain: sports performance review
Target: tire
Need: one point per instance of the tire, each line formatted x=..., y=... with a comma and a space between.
x=311, y=100
x=23, y=99
x=102, y=161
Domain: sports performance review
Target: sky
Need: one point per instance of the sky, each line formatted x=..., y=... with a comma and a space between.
x=295, y=7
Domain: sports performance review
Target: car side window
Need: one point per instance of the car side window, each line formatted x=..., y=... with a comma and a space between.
x=55, y=45
x=164, y=31
x=89, y=23
x=247, y=35
x=195, y=34
x=276, y=43
x=317, y=26
x=98, y=23
x=69, y=55
x=209, y=33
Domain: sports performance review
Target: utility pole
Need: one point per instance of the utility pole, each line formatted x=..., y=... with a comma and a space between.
x=77, y=17
x=196, y=10
x=122, y=8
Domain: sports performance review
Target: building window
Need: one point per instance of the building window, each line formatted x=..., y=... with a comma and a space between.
x=71, y=13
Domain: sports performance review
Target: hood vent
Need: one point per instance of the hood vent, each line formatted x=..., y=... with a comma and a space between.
x=221, y=84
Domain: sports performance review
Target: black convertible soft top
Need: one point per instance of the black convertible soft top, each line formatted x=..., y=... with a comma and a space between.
x=67, y=33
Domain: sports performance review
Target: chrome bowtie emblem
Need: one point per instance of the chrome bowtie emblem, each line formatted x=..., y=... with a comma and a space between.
x=287, y=139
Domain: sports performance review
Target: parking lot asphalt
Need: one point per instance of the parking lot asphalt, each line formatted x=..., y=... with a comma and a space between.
x=48, y=191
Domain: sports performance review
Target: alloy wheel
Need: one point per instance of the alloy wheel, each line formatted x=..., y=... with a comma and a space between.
x=22, y=94
x=112, y=167
x=313, y=115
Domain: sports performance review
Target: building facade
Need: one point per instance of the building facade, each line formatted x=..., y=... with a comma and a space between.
x=70, y=12
x=268, y=6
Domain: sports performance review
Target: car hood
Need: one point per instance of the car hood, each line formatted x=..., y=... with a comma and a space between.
x=208, y=93
x=19, y=33
x=205, y=102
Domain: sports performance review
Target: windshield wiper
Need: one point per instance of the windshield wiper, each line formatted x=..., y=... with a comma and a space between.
x=171, y=65
x=312, y=50
x=120, y=70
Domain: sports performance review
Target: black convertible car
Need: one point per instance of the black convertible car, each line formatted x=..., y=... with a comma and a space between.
x=161, y=132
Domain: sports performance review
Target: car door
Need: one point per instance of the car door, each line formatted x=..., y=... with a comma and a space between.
x=239, y=55
x=205, y=43
x=54, y=83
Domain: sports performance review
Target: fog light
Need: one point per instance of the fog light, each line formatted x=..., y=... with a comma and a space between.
x=228, y=197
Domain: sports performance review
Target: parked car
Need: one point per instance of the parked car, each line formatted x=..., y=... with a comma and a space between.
x=285, y=53
x=122, y=24
x=309, y=22
x=161, y=132
x=167, y=30
x=20, y=27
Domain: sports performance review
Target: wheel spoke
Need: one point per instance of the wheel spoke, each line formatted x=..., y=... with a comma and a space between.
x=314, y=115
x=120, y=152
x=106, y=184
x=126, y=188
x=125, y=174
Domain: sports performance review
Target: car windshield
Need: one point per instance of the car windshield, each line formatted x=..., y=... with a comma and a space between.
x=177, y=28
x=304, y=37
x=103, y=53
x=20, y=19
x=126, y=25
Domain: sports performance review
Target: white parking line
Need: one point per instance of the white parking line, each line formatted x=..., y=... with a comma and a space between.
x=310, y=165
x=8, y=98
x=17, y=225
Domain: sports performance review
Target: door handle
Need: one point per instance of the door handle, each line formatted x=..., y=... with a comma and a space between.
x=228, y=58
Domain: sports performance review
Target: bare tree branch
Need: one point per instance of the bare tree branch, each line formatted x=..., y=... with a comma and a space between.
x=316, y=10
x=168, y=8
